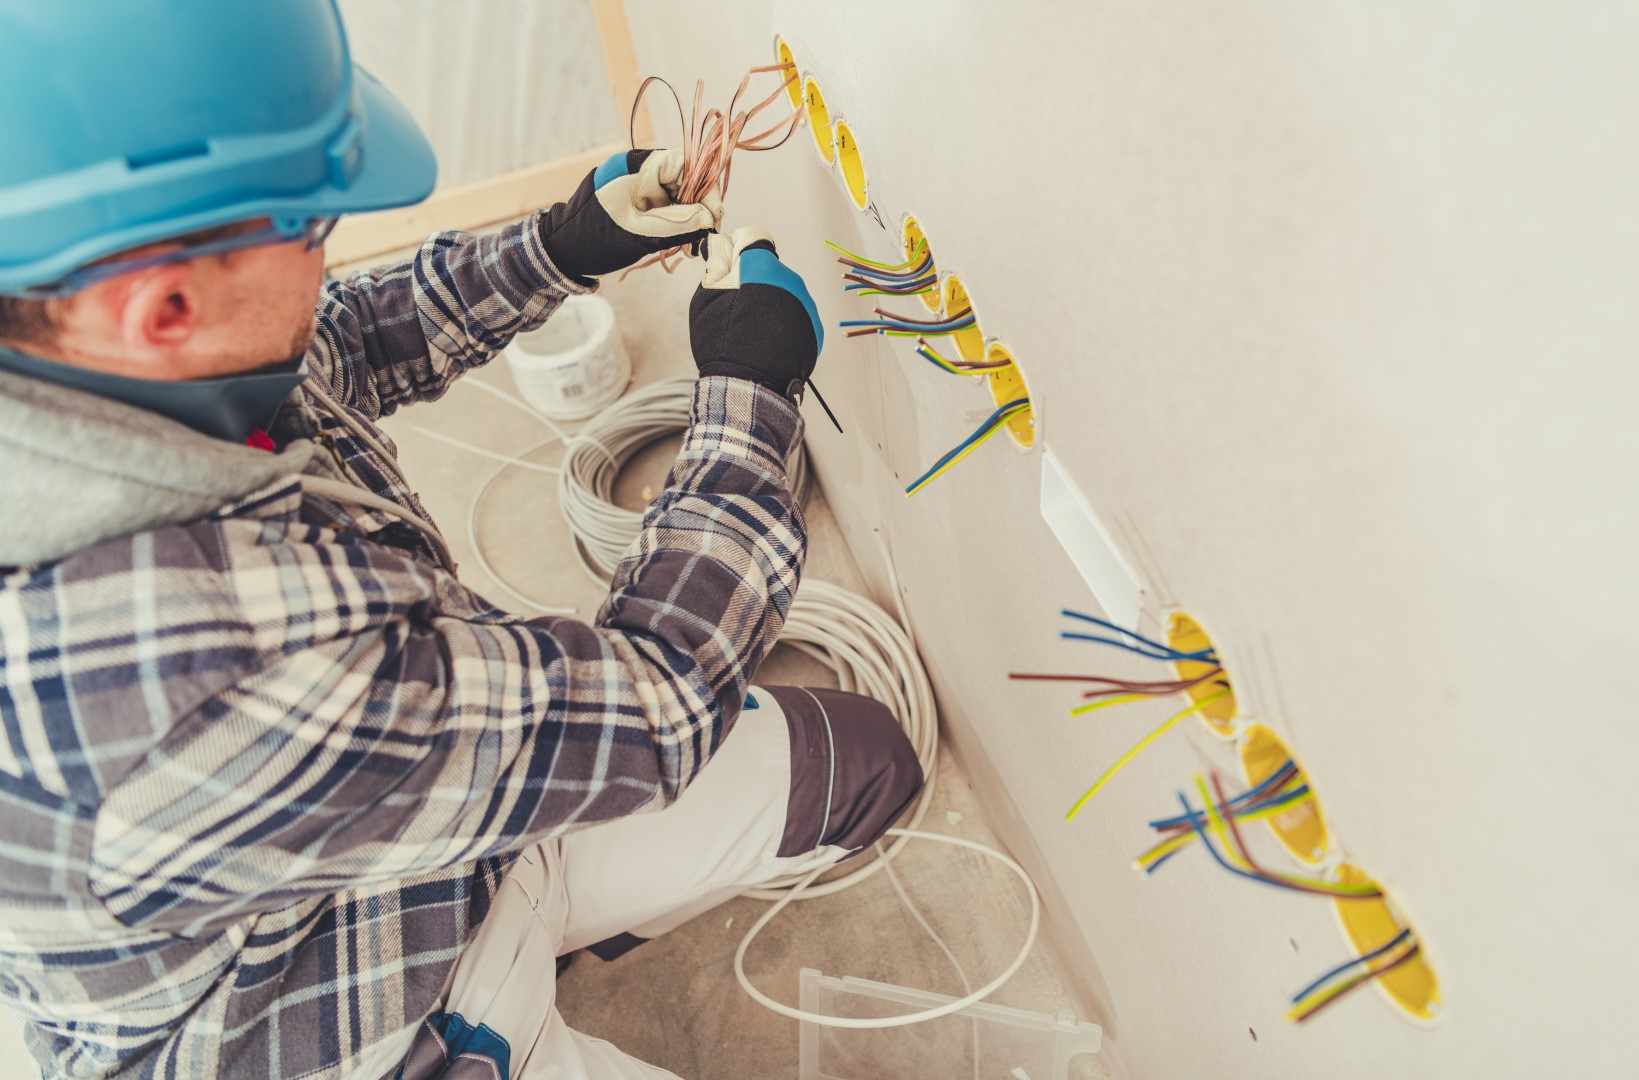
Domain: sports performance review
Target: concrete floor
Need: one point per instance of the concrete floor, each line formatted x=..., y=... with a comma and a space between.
x=674, y=1001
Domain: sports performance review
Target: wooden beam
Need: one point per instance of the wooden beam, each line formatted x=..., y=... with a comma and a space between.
x=470, y=206
x=620, y=58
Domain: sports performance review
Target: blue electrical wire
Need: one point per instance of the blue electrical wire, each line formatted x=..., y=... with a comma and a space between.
x=1125, y=633
x=1347, y=964
x=960, y=323
x=1290, y=797
x=1297, y=794
x=894, y=279
x=1274, y=780
x=895, y=275
x=1204, y=657
x=969, y=441
x=893, y=287
x=1206, y=841
x=936, y=363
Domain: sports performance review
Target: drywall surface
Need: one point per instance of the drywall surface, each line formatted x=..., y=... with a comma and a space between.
x=1329, y=309
x=497, y=85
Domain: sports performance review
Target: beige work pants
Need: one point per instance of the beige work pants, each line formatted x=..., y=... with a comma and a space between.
x=748, y=818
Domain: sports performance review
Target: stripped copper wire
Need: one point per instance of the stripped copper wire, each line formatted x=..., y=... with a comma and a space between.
x=710, y=139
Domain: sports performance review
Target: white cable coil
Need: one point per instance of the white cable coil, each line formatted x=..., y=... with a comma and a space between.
x=870, y=655
x=874, y=655
x=603, y=531
x=868, y=650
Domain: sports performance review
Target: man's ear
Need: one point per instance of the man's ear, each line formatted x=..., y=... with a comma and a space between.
x=159, y=307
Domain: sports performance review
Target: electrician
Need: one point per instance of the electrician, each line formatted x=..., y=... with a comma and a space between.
x=283, y=797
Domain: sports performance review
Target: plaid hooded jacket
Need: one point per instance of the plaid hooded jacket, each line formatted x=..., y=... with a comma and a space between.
x=263, y=757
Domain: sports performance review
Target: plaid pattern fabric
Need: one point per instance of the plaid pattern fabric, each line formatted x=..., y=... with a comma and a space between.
x=261, y=773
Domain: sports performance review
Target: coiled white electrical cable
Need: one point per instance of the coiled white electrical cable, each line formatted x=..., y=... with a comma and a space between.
x=507, y=462
x=868, y=650
x=871, y=655
x=603, y=531
x=946, y=1009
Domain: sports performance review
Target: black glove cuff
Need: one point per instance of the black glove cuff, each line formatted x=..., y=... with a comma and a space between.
x=791, y=390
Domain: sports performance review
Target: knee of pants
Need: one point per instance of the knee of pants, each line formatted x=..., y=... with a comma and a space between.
x=853, y=771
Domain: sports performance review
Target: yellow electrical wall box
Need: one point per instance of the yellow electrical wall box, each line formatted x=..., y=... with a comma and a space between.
x=970, y=341
x=915, y=239
x=1301, y=827
x=1370, y=924
x=1186, y=635
x=793, y=89
x=1007, y=384
x=853, y=166
x=819, y=120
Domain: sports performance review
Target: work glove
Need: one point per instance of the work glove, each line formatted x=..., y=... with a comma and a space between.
x=624, y=211
x=752, y=317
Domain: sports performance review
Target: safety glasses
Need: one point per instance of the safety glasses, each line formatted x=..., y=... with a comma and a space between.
x=312, y=232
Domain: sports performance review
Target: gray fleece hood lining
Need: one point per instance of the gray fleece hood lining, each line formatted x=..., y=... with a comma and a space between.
x=77, y=470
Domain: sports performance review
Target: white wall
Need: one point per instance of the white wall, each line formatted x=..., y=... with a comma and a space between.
x=496, y=84
x=1330, y=308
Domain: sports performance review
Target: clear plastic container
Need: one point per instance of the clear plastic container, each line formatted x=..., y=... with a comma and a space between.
x=1009, y=1044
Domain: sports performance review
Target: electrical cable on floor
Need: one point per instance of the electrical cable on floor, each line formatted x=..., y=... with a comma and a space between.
x=908, y=1018
x=916, y=913
x=507, y=462
x=478, y=548
x=870, y=654
x=603, y=531
x=506, y=459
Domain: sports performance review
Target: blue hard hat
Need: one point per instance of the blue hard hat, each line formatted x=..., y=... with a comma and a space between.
x=129, y=121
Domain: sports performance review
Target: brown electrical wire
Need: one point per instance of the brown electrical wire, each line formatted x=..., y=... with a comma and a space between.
x=1158, y=688
x=922, y=322
x=1246, y=853
x=1371, y=976
x=710, y=139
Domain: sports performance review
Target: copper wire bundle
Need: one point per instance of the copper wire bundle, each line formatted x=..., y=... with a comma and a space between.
x=710, y=139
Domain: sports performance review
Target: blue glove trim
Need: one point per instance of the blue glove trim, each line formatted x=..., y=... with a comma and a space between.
x=760, y=266
x=613, y=169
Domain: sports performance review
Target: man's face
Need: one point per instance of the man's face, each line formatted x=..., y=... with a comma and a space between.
x=209, y=317
x=265, y=313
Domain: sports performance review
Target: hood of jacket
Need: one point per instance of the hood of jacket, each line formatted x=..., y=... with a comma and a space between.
x=77, y=469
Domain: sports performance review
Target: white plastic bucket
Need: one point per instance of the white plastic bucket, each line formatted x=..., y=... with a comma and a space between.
x=575, y=364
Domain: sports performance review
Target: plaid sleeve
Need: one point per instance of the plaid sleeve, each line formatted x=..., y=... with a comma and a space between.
x=402, y=725
x=400, y=334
